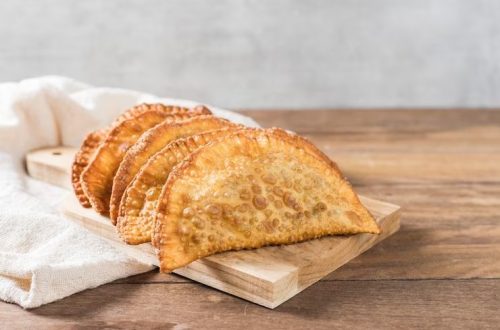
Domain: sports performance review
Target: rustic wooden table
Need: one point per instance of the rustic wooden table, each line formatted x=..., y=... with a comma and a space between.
x=441, y=270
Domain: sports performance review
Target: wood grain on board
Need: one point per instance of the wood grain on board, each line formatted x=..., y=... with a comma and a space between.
x=442, y=269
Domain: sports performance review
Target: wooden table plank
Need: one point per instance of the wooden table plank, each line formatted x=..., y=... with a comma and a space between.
x=364, y=159
x=328, y=304
x=369, y=168
x=442, y=166
x=470, y=140
x=371, y=120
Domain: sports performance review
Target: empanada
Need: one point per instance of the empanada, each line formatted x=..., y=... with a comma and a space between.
x=254, y=189
x=94, y=139
x=97, y=177
x=135, y=219
x=150, y=143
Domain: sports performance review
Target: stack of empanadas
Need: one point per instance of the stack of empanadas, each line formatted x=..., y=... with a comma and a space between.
x=194, y=184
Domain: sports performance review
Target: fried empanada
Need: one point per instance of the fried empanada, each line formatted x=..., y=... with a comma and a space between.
x=135, y=220
x=150, y=143
x=254, y=189
x=97, y=177
x=94, y=139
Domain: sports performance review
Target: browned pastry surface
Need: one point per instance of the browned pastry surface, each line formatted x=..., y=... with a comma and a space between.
x=86, y=151
x=94, y=139
x=254, y=189
x=151, y=142
x=97, y=177
x=139, y=201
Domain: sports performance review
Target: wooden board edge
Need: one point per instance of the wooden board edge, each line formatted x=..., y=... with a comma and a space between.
x=211, y=272
x=392, y=222
x=202, y=271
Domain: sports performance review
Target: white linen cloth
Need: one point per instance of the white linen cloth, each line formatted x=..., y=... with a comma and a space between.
x=43, y=256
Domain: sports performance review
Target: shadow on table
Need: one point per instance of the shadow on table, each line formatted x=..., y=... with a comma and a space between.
x=83, y=304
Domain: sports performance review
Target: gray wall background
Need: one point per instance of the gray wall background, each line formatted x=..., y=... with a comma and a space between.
x=271, y=54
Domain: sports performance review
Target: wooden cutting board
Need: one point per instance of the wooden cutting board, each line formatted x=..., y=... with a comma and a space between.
x=266, y=276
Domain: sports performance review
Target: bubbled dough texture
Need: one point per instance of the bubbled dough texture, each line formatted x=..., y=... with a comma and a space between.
x=150, y=143
x=93, y=140
x=141, y=197
x=82, y=157
x=135, y=221
x=97, y=178
x=251, y=193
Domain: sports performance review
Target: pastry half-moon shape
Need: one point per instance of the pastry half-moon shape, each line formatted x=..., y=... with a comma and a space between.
x=94, y=139
x=135, y=220
x=97, y=177
x=150, y=143
x=254, y=189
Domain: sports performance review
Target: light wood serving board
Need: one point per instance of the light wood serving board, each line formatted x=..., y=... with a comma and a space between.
x=266, y=276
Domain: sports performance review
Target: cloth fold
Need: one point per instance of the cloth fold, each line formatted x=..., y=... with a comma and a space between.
x=43, y=255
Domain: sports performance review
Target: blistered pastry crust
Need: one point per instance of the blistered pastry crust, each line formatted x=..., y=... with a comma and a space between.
x=97, y=177
x=94, y=139
x=135, y=220
x=152, y=141
x=87, y=149
x=257, y=188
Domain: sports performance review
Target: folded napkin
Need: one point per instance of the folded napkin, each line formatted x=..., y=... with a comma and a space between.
x=43, y=255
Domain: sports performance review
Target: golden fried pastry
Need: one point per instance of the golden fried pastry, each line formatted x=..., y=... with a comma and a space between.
x=97, y=177
x=86, y=151
x=94, y=139
x=254, y=189
x=150, y=143
x=139, y=201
